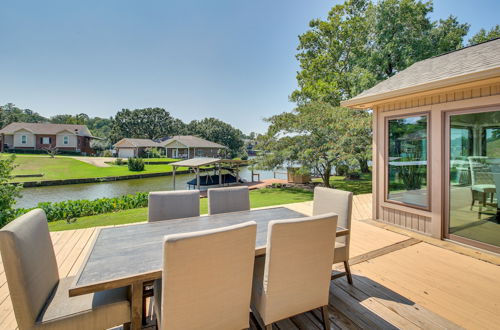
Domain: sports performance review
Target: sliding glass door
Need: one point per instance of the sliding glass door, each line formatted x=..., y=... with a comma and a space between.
x=474, y=178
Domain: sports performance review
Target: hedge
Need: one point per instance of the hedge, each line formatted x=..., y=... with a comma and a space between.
x=79, y=208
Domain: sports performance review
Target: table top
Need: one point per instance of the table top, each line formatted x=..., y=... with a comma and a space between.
x=122, y=255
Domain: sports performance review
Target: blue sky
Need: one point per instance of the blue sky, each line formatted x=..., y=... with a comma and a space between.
x=230, y=59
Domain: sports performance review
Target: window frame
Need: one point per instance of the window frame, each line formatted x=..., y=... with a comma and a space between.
x=426, y=114
x=24, y=139
x=65, y=139
x=46, y=138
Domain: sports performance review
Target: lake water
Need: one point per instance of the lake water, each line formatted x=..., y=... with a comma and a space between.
x=32, y=196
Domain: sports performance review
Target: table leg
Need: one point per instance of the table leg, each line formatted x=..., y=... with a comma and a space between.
x=136, y=305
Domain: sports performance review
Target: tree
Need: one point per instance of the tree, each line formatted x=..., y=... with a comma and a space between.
x=484, y=35
x=315, y=135
x=361, y=43
x=217, y=131
x=148, y=123
x=9, y=113
x=8, y=192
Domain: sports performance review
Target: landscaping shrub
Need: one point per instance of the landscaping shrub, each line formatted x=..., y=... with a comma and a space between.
x=353, y=176
x=79, y=208
x=107, y=153
x=119, y=161
x=135, y=164
x=342, y=170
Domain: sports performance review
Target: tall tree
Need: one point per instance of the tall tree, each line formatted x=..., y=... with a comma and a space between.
x=361, y=43
x=484, y=35
x=317, y=136
x=9, y=113
x=217, y=131
x=148, y=123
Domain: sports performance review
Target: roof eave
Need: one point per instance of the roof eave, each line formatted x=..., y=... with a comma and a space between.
x=367, y=102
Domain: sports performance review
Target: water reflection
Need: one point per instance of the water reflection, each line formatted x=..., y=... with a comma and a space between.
x=32, y=196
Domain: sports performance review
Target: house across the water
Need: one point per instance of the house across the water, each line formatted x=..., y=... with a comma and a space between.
x=181, y=146
x=436, y=155
x=41, y=136
x=188, y=146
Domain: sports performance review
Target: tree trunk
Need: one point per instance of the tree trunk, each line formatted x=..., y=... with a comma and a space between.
x=363, y=165
x=326, y=176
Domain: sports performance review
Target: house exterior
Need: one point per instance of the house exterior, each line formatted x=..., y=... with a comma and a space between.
x=188, y=146
x=436, y=146
x=127, y=148
x=40, y=136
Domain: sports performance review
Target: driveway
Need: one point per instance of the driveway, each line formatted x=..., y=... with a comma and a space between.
x=96, y=161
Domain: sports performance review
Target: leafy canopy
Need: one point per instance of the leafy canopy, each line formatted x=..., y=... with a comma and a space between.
x=8, y=192
x=317, y=136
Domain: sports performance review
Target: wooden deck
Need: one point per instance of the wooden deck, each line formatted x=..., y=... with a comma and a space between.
x=401, y=280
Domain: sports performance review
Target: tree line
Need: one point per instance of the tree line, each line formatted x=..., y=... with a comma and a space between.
x=359, y=44
x=147, y=123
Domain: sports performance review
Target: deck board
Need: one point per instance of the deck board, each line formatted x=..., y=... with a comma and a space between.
x=400, y=288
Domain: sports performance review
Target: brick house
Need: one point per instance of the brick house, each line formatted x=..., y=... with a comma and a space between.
x=39, y=136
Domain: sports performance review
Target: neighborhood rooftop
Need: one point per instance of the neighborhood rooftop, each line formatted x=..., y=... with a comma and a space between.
x=137, y=143
x=46, y=128
x=468, y=64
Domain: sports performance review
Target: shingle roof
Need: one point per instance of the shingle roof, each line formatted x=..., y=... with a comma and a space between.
x=192, y=142
x=46, y=128
x=470, y=63
x=136, y=143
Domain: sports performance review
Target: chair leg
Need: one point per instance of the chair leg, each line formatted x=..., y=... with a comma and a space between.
x=326, y=317
x=126, y=326
x=144, y=322
x=348, y=272
x=269, y=327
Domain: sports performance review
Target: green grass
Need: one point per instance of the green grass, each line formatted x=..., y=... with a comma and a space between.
x=258, y=198
x=61, y=168
x=361, y=186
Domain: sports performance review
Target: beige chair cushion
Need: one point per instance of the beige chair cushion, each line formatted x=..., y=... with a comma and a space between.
x=295, y=276
x=30, y=265
x=100, y=310
x=340, y=253
x=232, y=199
x=328, y=200
x=166, y=205
x=207, y=278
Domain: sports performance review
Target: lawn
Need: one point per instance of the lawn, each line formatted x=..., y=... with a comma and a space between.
x=62, y=167
x=258, y=198
x=361, y=186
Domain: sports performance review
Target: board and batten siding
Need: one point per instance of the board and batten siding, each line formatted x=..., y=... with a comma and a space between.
x=72, y=140
x=436, y=104
x=30, y=139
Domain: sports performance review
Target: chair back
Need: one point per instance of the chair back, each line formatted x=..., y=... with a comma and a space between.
x=479, y=170
x=207, y=278
x=30, y=265
x=298, y=265
x=328, y=200
x=232, y=199
x=166, y=205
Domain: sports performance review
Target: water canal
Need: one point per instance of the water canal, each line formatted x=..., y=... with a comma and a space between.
x=32, y=196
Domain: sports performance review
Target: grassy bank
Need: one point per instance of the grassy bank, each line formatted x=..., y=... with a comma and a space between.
x=361, y=186
x=258, y=198
x=63, y=168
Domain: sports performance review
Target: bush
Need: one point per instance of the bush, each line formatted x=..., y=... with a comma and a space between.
x=119, y=161
x=353, y=176
x=342, y=170
x=8, y=192
x=107, y=153
x=80, y=208
x=135, y=164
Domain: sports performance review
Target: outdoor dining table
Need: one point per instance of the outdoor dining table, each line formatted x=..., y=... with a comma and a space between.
x=132, y=255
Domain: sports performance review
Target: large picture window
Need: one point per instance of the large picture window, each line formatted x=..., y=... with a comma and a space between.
x=407, y=161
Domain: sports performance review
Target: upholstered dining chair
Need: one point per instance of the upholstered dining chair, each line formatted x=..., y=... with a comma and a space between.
x=207, y=279
x=166, y=205
x=294, y=275
x=231, y=199
x=39, y=297
x=340, y=202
